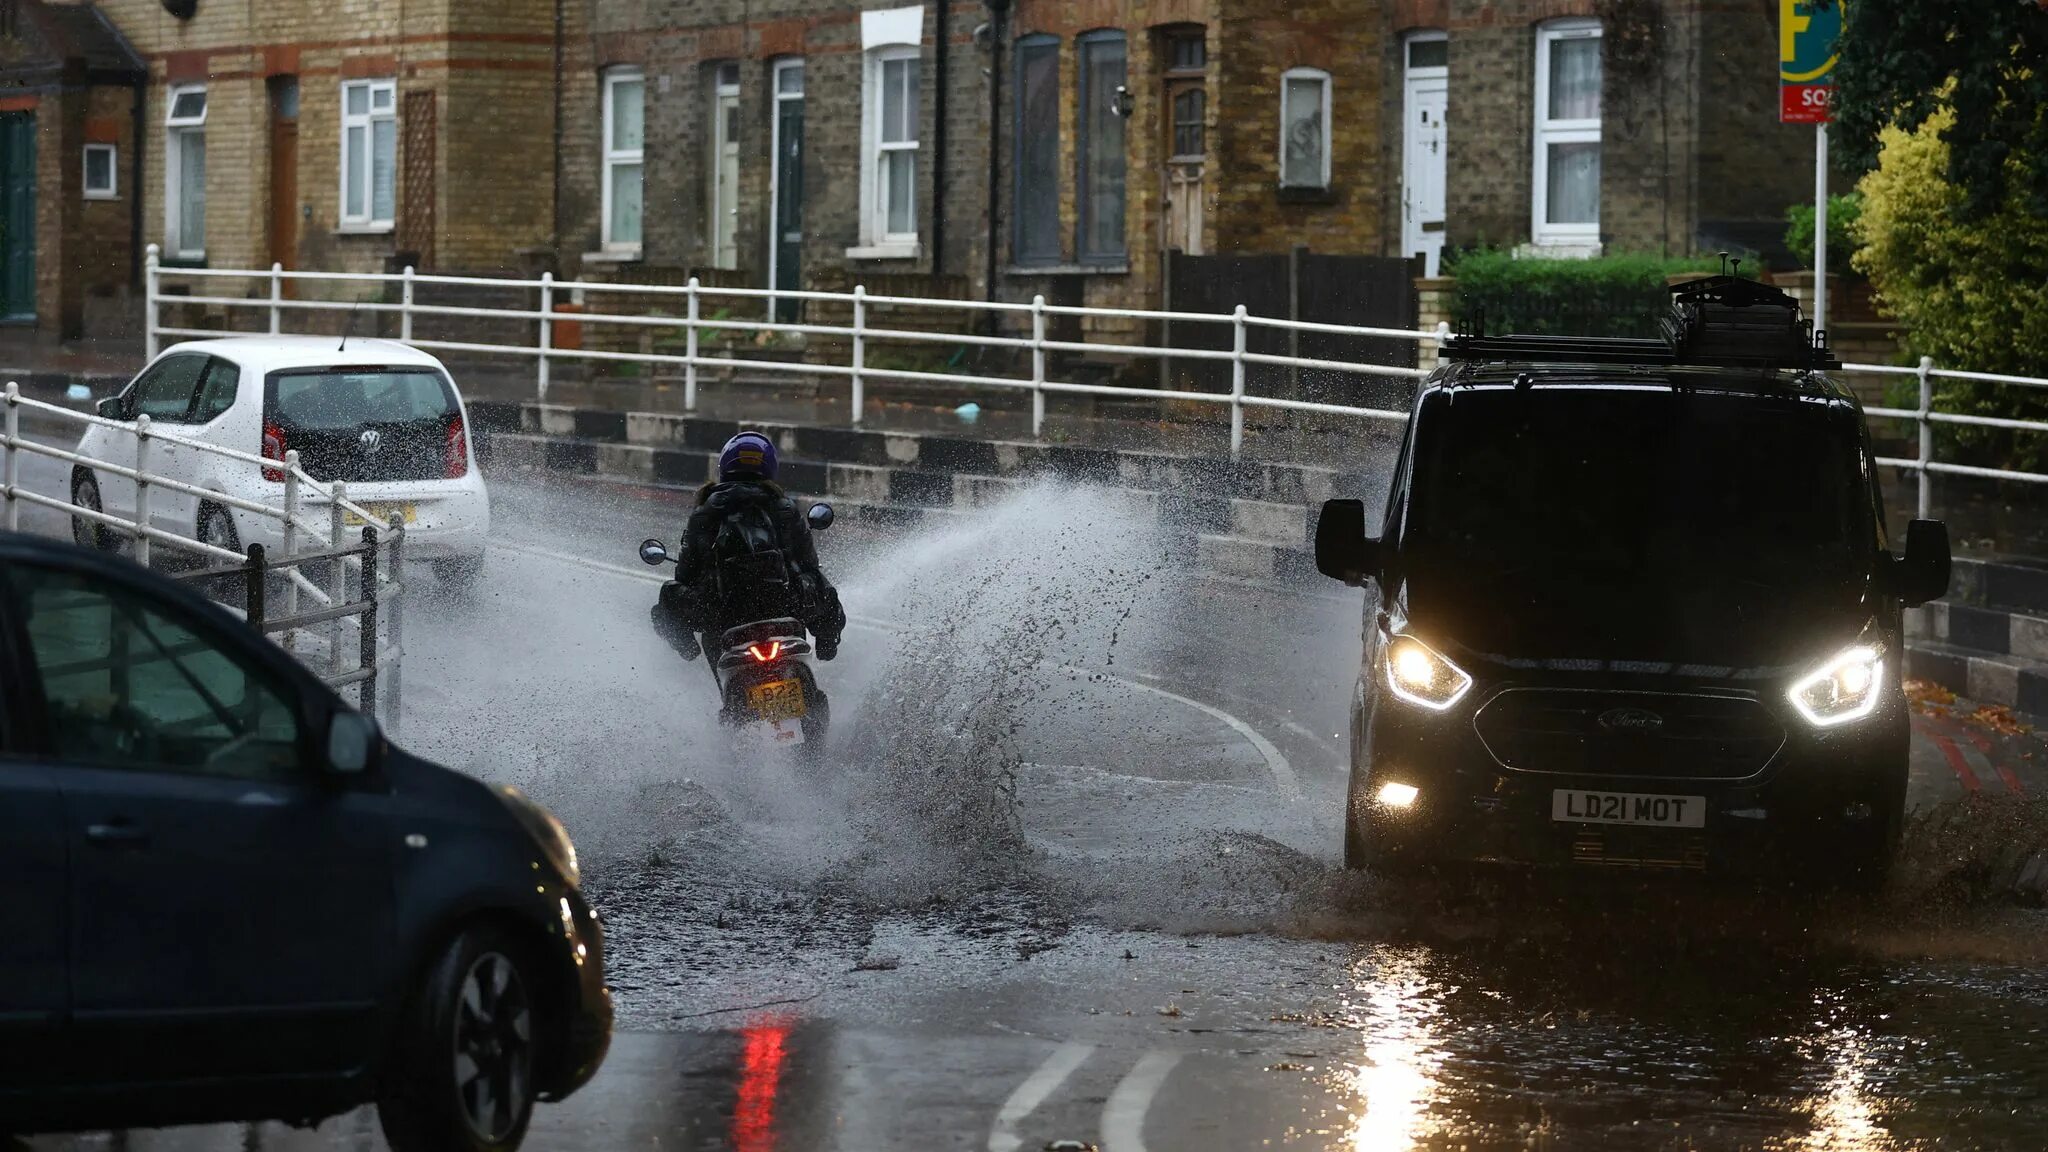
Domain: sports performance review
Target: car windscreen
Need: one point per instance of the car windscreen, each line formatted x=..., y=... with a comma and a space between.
x=338, y=399
x=1646, y=501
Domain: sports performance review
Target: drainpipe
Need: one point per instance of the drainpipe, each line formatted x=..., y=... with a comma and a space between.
x=139, y=134
x=555, y=201
x=998, y=41
x=944, y=32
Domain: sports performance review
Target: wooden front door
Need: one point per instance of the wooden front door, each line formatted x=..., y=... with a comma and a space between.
x=18, y=218
x=284, y=173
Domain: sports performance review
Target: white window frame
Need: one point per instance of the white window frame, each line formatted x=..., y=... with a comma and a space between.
x=616, y=157
x=175, y=127
x=1280, y=154
x=1542, y=233
x=368, y=220
x=878, y=243
x=113, y=189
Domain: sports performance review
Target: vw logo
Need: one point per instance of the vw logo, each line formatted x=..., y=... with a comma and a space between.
x=1631, y=720
x=371, y=438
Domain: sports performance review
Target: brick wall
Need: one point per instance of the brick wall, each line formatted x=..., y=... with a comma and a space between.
x=491, y=70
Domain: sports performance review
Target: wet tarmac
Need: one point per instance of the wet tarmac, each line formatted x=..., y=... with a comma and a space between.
x=1071, y=874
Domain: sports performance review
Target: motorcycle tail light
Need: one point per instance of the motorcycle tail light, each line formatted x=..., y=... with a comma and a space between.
x=773, y=651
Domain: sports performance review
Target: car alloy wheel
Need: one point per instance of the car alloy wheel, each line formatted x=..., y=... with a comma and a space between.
x=493, y=1048
x=85, y=493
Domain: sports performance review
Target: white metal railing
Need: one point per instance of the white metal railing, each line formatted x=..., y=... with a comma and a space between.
x=298, y=514
x=857, y=371
x=859, y=368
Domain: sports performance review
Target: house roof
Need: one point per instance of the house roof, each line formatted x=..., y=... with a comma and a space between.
x=53, y=38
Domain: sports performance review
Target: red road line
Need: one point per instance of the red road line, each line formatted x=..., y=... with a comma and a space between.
x=1955, y=757
x=1990, y=751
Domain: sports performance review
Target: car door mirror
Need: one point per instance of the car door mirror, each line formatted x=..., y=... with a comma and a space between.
x=653, y=552
x=351, y=744
x=1343, y=550
x=1922, y=573
x=820, y=516
x=113, y=408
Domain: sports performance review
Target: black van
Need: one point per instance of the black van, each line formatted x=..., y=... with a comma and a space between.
x=225, y=896
x=1634, y=604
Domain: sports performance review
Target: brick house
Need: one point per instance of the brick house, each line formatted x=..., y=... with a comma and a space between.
x=69, y=90
x=1574, y=126
x=350, y=136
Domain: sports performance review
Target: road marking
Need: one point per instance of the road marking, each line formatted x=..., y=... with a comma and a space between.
x=1032, y=1092
x=1123, y=1118
x=1954, y=755
x=1276, y=762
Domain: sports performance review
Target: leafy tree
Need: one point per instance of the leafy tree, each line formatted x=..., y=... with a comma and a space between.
x=1842, y=213
x=1971, y=293
x=1901, y=61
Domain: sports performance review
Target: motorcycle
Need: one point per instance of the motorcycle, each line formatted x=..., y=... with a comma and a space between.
x=769, y=695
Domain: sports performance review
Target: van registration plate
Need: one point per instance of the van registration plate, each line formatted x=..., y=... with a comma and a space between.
x=1578, y=806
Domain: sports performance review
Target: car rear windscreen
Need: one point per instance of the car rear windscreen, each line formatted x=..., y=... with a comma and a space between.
x=331, y=401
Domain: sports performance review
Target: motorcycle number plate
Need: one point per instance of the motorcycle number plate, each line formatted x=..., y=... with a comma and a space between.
x=778, y=700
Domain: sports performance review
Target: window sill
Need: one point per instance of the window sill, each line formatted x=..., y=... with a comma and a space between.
x=886, y=252
x=1102, y=269
x=613, y=256
x=1561, y=249
x=366, y=230
x=183, y=260
x=1291, y=194
x=106, y=197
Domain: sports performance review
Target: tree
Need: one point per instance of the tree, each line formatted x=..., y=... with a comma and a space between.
x=1970, y=293
x=1902, y=61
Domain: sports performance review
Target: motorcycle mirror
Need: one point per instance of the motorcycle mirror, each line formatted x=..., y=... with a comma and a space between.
x=653, y=552
x=820, y=516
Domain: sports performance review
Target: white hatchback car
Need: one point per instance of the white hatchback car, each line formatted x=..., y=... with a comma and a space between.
x=382, y=416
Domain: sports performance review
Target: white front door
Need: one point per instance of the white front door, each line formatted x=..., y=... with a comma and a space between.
x=725, y=196
x=1422, y=169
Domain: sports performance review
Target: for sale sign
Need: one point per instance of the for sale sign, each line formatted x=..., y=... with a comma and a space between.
x=1807, y=31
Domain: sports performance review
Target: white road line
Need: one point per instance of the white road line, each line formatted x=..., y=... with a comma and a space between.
x=1123, y=1118
x=1032, y=1092
x=1276, y=761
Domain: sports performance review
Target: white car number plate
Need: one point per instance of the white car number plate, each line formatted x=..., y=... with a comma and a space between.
x=1576, y=806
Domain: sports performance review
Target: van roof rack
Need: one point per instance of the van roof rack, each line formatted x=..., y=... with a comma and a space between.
x=1720, y=321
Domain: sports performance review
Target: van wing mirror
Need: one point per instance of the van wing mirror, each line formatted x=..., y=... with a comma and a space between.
x=352, y=741
x=1343, y=550
x=1922, y=573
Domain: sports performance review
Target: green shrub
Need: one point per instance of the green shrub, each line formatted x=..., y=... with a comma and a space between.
x=1843, y=212
x=1969, y=293
x=1604, y=296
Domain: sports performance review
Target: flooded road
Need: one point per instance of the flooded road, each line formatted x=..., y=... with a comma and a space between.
x=1072, y=874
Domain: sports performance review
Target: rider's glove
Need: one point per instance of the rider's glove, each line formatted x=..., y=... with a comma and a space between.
x=827, y=648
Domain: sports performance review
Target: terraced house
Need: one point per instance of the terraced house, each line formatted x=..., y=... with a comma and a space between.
x=984, y=148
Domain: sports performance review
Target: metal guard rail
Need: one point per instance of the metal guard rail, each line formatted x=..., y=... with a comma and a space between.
x=379, y=584
x=693, y=324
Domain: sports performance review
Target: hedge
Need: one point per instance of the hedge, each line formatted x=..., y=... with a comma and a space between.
x=1603, y=296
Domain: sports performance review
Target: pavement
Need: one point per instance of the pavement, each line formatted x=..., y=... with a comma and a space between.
x=1073, y=874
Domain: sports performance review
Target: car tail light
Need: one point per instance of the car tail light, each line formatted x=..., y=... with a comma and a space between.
x=774, y=651
x=273, y=449
x=455, y=459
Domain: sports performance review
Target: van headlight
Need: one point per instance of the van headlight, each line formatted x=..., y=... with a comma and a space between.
x=547, y=832
x=1420, y=675
x=1845, y=688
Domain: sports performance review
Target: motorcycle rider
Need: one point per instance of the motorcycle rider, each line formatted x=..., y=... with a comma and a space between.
x=747, y=555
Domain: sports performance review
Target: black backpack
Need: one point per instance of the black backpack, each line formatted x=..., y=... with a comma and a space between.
x=748, y=550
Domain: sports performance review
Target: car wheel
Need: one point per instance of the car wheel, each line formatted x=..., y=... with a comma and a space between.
x=1357, y=856
x=217, y=527
x=460, y=574
x=462, y=1078
x=85, y=493
x=1863, y=852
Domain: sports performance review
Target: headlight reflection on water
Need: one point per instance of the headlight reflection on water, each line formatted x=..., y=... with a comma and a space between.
x=1398, y=1082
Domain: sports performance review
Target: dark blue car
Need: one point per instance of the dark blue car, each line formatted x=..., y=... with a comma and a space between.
x=223, y=894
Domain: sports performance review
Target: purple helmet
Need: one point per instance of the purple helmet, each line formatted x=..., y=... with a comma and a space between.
x=747, y=454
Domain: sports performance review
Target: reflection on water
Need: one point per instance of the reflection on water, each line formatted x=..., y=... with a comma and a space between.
x=1396, y=1084
x=1622, y=1027
x=762, y=1054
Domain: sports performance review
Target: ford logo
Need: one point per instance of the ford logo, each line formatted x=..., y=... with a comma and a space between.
x=1631, y=720
x=371, y=438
